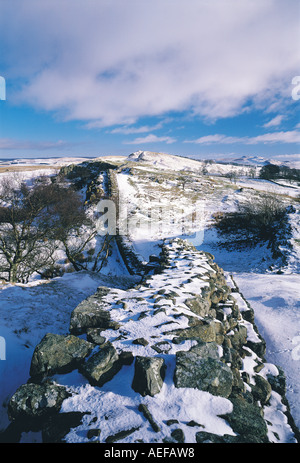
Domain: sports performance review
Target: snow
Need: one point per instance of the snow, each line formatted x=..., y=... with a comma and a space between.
x=28, y=312
x=275, y=300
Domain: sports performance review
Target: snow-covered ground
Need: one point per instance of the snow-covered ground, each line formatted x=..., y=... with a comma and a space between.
x=27, y=312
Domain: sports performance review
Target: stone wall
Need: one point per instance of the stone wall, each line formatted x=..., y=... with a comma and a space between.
x=190, y=312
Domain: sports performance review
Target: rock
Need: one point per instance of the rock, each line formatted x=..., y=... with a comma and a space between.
x=205, y=350
x=120, y=435
x=239, y=337
x=203, y=437
x=170, y=422
x=262, y=390
x=93, y=433
x=247, y=419
x=199, y=305
x=162, y=347
x=32, y=401
x=148, y=375
x=145, y=411
x=278, y=383
x=140, y=341
x=58, y=354
x=94, y=335
x=204, y=331
x=258, y=347
x=101, y=366
x=178, y=435
x=92, y=313
x=207, y=374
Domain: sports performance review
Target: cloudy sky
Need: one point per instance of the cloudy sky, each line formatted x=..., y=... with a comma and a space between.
x=201, y=78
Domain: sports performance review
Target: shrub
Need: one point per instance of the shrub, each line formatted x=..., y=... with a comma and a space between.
x=261, y=218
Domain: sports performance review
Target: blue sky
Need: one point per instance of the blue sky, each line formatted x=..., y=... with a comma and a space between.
x=207, y=79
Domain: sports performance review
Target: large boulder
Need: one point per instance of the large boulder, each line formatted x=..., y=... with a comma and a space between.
x=58, y=354
x=92, y=313
x=148, y=375
x=32, y=401
x=102, y=365
x=203, y=372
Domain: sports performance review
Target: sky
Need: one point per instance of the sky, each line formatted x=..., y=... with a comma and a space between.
x=198, y=78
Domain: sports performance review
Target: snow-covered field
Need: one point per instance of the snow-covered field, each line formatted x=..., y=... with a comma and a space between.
x=27, y=312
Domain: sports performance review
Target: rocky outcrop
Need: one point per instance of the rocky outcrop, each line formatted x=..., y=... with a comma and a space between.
x=182, y=329
x=58, y=354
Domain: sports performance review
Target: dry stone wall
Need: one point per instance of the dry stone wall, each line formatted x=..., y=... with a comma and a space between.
x=185, y=328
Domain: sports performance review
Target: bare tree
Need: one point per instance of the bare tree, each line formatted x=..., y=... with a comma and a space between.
x=25, y=219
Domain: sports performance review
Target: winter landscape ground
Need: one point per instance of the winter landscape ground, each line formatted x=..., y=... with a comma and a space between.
x=163, y=198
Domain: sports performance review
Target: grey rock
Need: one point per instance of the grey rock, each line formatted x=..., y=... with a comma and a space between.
x=239, y=338
x=203, y=437
x=145, y=411
x=199, y=305
x=149, y=374
x=58, y=354
x=178, y=435
x=94, y=335
x=262, y=390
x=102, y=365
x=120, y=435
x=206, y=374
x=258, y=347
x=33, y=401
x=278, y=383
x=140, y=341
x=126, y=358
x=92, y=313
x=204, y=331
x=247, y=419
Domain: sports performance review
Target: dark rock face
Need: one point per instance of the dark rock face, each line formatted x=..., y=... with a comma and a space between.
x=58, y=354
x=32, y=401
x=148, y=375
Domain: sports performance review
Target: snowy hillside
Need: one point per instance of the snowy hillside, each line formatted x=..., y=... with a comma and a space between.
x=164, y=197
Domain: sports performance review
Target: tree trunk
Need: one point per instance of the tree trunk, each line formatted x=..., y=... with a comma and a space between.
x=13, y=273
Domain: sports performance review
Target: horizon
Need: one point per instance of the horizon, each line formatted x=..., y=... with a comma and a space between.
x=199, y=80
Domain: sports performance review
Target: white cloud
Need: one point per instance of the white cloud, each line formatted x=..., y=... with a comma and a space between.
x=275, y=122
x=142, y=129
x=292, y=136
x=151, y=138
x=115, y=62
